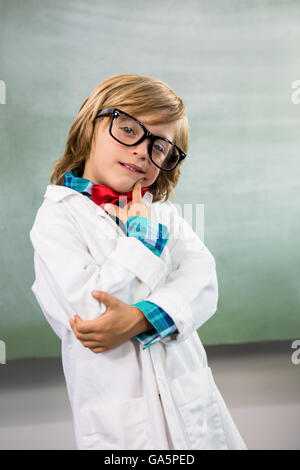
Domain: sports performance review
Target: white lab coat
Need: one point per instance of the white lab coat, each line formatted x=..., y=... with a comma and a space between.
x=114, y=395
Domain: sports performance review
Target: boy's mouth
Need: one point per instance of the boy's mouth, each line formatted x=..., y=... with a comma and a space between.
x=131, y=169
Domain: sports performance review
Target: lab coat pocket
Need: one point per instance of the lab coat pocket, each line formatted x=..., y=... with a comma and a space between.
x=119, y=425
x=196, y=401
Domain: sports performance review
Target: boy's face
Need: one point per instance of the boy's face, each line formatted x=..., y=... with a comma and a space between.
x=104, y=165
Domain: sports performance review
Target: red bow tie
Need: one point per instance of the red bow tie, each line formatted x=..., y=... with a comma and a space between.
x=102, y=194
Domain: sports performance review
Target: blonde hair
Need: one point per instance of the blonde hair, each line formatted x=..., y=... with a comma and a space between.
x=138, y=95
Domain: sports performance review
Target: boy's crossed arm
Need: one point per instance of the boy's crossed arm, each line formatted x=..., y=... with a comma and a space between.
x=188, y=298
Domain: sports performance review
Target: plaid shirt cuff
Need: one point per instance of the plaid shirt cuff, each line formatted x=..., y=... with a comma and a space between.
x=153, y=234
x=162, y=322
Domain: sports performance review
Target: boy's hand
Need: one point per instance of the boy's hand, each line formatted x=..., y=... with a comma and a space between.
x=115, y=326
x=135, y=207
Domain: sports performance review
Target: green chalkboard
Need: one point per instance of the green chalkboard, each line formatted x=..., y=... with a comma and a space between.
x=233, y=63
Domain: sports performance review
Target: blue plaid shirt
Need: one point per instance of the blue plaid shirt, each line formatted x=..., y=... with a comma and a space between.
x=155, y=236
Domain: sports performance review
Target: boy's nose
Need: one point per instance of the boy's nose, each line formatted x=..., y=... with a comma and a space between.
x=142, y=148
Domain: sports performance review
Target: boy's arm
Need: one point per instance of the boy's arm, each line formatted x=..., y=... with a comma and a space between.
x=189, y=294
x=155, y=236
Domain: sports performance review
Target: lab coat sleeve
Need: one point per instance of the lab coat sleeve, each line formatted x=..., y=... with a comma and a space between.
x=189, y=294
x=155, y=236
x=62, y=256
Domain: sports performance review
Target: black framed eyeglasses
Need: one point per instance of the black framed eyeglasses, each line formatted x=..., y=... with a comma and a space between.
x=127, y=130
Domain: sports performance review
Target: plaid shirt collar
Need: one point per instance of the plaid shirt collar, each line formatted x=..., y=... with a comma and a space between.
x=82, y=185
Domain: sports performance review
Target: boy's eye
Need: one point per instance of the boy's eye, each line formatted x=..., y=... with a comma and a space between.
x=159, y=148
x=127, y=130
